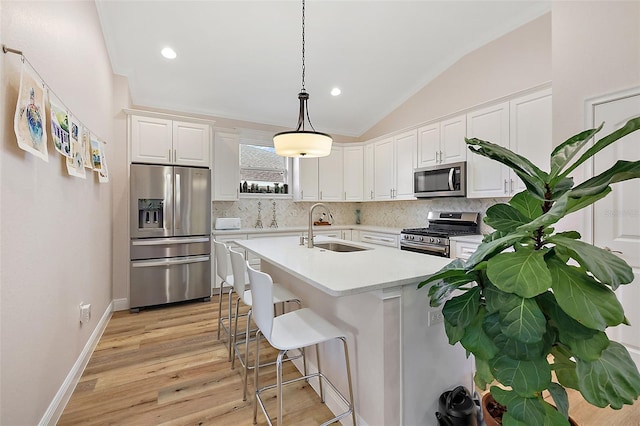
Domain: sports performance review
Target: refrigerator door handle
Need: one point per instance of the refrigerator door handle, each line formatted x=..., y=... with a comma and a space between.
x=164, y=241
x=167, y=208
x=178, y=204
x=168, y=262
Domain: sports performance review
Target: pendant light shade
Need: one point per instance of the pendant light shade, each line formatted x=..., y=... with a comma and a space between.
x=301, y=142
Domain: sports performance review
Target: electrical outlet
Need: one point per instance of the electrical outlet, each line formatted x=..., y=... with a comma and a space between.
x=85, y=313
x=435, y=317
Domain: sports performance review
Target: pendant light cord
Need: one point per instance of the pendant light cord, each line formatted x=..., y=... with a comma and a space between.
x=303, y=66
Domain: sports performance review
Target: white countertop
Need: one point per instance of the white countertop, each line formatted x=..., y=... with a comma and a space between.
x=341, y=274
x=305, y=229
x=468, y=238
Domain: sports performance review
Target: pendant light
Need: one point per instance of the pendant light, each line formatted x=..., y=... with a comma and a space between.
x=301, y=142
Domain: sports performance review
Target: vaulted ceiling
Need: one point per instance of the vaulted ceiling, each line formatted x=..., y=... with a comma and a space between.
x=242, y=59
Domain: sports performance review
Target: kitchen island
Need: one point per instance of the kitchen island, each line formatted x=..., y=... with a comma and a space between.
x=400, y=363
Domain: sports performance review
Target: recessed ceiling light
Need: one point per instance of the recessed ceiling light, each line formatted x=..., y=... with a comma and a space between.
x=335, y=91
x=168, y=53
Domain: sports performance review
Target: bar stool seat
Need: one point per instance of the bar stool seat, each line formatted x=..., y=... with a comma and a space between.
x=292, y=330
x=240, y=280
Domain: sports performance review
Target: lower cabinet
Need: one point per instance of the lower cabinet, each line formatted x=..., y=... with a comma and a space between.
x=462, y=249
x=380, y=238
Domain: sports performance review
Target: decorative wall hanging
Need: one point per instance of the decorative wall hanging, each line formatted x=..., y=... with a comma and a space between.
x=103, y=173
x=29, y=120
x=86, y=144
x=96, y=153
x=75, y=163
x=59, y=126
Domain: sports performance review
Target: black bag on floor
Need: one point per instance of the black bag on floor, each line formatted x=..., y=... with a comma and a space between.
x=457, y=408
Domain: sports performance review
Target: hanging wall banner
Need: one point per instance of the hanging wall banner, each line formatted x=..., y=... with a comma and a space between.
x=86, y=144
x=96, y=153
x=59, y=127
x=103, y=173
x=75, y=163
x=29, y=122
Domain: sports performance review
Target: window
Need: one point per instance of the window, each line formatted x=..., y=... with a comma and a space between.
x=262, y=170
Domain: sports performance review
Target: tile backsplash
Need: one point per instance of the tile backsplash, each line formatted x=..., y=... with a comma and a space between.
x=392, y=214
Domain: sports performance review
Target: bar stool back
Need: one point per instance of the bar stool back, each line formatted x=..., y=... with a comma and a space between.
x=293, y=330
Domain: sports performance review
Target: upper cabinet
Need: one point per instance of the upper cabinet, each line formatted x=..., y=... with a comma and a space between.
x=523, y=125
x=164, y=141
x=369, y=174
x=442, y=142
x=394, y=161
x=330, y=175
x=353, y=172
x=226, y=167
x=306, y=179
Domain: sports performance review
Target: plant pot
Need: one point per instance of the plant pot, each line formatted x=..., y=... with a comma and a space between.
x=489, y=407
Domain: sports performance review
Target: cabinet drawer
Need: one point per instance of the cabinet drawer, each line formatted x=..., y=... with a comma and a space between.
x=389, y=240
x=465, y=250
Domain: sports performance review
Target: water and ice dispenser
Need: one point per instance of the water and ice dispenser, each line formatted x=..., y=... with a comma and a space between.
x=150, y=213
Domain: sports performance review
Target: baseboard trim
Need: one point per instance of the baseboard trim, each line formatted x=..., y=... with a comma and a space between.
x=55, y=409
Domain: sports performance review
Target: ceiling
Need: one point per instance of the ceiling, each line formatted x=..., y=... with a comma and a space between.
x=242, y=59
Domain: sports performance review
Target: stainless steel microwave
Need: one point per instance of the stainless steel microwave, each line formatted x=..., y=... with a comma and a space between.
x=446, y=180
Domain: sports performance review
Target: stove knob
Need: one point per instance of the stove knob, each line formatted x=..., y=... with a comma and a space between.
x=432, y=240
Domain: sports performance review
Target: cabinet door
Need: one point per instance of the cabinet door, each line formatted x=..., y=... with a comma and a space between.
x=406, y=155
x=191, y=144
x=369, y=172
x=151, y=140
x=353, y=172
x=330, y=175
x=429, y=145
x=383, y=169
x=226, y=169
x=307, y=179
x=485, y=177
x=530, y=132
x=453, y=148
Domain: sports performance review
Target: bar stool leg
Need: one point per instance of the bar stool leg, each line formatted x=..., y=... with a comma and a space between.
x=255, y=378
x=246, y=356
x=319, y=371
x=279, y=384
x=235, y=334
x=346, y=358
x=220, y=308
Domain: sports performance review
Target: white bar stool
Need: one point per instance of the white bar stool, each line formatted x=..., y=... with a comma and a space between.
x=293, y=330
x=222, y=270
x=280, y=295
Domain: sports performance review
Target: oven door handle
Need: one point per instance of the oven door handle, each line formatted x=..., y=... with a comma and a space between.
x=451, y=171
x=422, y=246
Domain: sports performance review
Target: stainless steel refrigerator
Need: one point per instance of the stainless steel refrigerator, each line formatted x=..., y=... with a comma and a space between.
x=170, y=226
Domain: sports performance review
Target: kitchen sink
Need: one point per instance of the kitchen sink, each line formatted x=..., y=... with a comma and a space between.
x=339, y=247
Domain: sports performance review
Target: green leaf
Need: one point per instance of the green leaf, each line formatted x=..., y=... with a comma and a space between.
x=454, y=334
x=523, y=272
x=487, y=249
x=553, y=417
x=504, y=217
x=453, y=268
x=583, y=298
x=630, y=127
x=555, y=213
x=440, y=291
x=529, y=206
x=516, y=349
x=483, y=374
x=620, y=171
x=558, y=189
x=476, y=341
x=564, y=152
x=576, y=204
x=575, y=235
x=587, y=349
x=461, y=310
x=565, y=369
x=560, y=398
x=612, y=380
x=527, y=378
x=529, y=411
x=523, y=321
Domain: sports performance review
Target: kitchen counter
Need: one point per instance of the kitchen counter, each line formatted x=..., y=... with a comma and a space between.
x=341, y=274
x=401, y=360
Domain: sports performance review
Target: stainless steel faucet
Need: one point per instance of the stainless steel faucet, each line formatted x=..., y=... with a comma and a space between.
x=310, y=233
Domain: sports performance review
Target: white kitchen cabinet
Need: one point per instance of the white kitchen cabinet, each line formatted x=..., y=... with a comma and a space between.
x=523, y=125
x=394, y=161
x=226, y=167
x=442, y=142
x=380, y=238
x=164, y=141
x=346, y=234
x=331, y=176
x=530, y=132
x=353, y=172
x=485, y=177
x=307, y=186
x=369, y=174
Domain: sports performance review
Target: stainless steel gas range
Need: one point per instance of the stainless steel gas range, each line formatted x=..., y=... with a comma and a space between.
x=434, y=239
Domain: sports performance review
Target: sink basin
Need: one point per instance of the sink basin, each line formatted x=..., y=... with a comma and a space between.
x=339, y=247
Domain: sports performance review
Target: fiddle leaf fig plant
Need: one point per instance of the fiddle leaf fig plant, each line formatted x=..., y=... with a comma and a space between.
x=531, y=301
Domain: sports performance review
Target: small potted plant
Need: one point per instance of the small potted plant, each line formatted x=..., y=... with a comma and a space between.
x=531, y=301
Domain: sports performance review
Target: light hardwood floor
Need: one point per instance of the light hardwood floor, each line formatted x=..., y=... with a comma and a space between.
x=165, y=367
